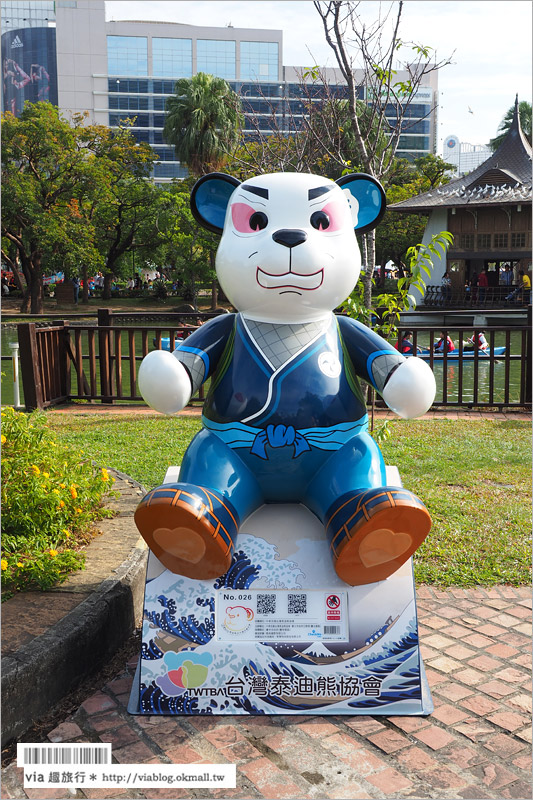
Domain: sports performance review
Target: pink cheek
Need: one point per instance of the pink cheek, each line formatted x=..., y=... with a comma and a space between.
x=337, y=216
x=240, y=215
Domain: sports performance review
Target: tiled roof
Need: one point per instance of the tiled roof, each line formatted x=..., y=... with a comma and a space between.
x=505, y=177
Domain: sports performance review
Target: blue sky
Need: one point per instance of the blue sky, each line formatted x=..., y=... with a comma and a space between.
x=490, y=41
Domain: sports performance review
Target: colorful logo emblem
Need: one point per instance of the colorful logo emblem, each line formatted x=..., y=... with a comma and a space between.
x=238, y=619
x=184, y=671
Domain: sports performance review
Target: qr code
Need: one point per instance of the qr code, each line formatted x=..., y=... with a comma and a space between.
x=297, y=603
x=266, y=603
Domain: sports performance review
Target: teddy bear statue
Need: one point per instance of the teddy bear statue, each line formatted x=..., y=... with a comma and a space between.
x=284, y=420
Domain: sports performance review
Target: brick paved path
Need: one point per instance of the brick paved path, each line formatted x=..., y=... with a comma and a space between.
x=476, y=744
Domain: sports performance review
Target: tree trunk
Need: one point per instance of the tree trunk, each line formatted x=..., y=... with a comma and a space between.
x=368, y=268
x=36, y=286
x=85, y=277
x=106, y=294
x=214, y=284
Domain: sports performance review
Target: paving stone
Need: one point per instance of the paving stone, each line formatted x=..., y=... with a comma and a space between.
x=365, y=725
x=389, y=741
x=97, y=703
x=269, y=780
x=519, y=790
x=448, y=714
x=477, y=640
x=463, y=756
x=137, y=753
x=183, y=754
x=508, y=720
x=409, y=724
x=389, y=780
x=355, y=755
x=472, y=677
x=503, y=745
x=348, y=791
x=493, y=775
x=523, y=762
x=120, y=737
x=105, y=722
x=485, y=663
x=318, y=729
x=224, y=736
x=445, y=664
x=480, y=705
x=65, y=732
x=444, y=778
x=524, y=734
x=502, y=650
x=417, y=760
x=434, y=737
x=240, y=751
x=473, y=729
x=460, y=651
x=497, y=689
x=511, y=675
x=454, y=691
x=521, y=702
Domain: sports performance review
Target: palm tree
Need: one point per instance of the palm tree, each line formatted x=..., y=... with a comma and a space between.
x=204, y=121
x=524, y=113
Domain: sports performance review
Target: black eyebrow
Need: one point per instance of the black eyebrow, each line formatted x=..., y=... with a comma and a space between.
x=255, y=190
x=318, y=191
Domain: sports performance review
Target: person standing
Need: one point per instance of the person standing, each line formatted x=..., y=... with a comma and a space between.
x=483, y=283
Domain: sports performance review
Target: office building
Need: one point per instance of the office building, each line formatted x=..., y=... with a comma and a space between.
x=68, y=53
x=464, y=156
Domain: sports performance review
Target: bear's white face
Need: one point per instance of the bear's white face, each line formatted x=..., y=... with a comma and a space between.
x=288, y=252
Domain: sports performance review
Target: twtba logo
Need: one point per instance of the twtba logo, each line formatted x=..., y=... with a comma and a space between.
x=16, y=42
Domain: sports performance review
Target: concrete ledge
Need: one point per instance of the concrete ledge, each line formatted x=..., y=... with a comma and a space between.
x=39, y=672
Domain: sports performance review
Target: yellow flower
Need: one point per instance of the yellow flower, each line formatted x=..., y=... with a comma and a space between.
x=61, y=504
x=36, y=470
x=65, y=531
x=55, y=491
x=3, y=564
x=63, y=485
x=53, y=553
x=73, y=492
x=67, y=534
x=78, y=511
x=46, y=474
x=4, y=440
x=105, y=474
x=20, y=564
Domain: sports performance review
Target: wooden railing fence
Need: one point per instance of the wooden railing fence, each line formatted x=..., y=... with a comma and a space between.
x=61, y=363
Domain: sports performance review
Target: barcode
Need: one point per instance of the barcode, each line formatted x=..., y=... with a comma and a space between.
x=62, y=754
x=331, y=629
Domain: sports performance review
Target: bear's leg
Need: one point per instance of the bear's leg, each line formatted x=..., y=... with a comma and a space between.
x=372, y=528
x=191, y=526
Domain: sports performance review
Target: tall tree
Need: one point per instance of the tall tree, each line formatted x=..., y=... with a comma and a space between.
x=204, y=121
x=47, y=170
x=373, y=49
x=524, y=113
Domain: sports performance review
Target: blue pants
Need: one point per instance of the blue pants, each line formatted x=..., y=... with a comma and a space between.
x=316, y=478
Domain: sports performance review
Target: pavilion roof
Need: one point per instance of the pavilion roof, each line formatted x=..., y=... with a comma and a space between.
x=505, y=177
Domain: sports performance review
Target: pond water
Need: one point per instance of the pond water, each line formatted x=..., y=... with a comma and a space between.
x=448, y=378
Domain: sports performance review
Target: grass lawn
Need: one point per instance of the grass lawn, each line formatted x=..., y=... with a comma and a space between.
x=474, y=476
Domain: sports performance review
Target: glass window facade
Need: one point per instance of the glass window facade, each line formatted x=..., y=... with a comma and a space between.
x=127, y=55
x=216, y=57
x=34, y=14
x=172, y=58
x=259, y=61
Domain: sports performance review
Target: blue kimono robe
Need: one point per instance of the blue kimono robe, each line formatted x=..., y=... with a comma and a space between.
x=284, y=418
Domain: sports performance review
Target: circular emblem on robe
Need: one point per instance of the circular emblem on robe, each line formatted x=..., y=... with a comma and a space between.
x=329, y=365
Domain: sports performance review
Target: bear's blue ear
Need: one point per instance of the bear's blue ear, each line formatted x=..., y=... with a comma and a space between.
x=369, y=195
x=209, y=199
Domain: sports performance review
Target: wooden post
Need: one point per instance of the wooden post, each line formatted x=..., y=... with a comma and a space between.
x=30, y=366
x=105, y=317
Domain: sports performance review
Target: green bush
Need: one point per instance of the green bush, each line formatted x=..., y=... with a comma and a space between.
x=51, y=496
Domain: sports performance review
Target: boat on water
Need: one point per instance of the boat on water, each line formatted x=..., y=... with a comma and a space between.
x=483, y=355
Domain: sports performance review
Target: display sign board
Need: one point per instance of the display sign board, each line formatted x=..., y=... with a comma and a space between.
x=279, y=633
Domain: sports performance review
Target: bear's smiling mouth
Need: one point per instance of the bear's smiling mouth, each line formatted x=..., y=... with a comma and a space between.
x=290, y=280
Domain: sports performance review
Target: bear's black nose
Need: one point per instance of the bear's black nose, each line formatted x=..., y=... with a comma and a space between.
x=288, y=237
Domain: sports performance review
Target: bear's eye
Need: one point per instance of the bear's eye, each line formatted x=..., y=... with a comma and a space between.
x=258, y=221
x=320, y=220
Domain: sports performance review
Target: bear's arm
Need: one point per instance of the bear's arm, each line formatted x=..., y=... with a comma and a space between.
x=201, y=351
x=373, y=358
x=406, y=384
